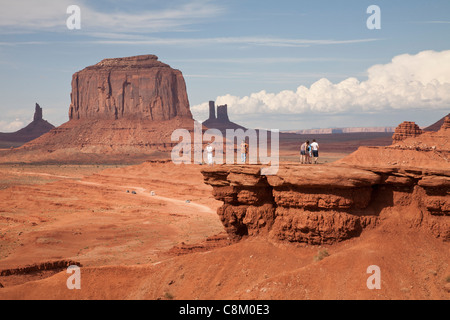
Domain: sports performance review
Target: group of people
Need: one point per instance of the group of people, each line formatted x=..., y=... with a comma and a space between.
x=309, y=151
x=244, y=152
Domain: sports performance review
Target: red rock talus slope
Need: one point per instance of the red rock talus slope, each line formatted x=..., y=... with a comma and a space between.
x=120, y=109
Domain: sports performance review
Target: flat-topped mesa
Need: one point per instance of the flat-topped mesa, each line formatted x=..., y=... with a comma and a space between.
x=142, y=61
x=139, y=87
x=406, y=129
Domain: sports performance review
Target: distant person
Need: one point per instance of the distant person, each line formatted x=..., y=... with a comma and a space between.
x=303, y=152
x=209, y=152
x=315, y=150
x=244, y=151
x=308, y=153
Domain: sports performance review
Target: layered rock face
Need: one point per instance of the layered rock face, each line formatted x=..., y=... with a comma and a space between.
x=405, y=130
x=139, y=87
x=326, y=204
x=446, y=124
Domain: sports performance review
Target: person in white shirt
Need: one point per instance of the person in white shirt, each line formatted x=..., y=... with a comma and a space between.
x=315, y=150
x=209, y=151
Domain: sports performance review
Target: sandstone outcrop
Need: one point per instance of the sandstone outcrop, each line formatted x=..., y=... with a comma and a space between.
x=428, y=150
x=139, y=87
x=326, y=204
x=407, y=129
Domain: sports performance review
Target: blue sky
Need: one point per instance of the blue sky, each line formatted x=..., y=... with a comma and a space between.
x=265, y=59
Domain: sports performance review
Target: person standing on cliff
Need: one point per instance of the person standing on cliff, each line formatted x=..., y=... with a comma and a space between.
x=315, y=150
x=244, y=151
x=303, y=152
x=209, y=152
x=308, y=153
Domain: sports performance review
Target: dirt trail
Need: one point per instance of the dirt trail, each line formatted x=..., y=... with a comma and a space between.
x=141, y=190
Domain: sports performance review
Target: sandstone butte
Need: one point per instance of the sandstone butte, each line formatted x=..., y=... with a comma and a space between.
x=405, y=130
x=121, y=106
x=136, y=88
x=326, y=204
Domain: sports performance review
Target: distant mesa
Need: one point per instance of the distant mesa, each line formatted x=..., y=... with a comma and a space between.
x=122, y=109
x=406, y=129
x=221, y=122
x=344, y=130
x=35, y=129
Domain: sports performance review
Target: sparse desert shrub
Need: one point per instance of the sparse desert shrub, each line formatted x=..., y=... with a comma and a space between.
x=321, y=254
x=168, y=295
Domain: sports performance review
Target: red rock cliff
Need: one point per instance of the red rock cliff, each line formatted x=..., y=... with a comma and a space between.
x=327, y=204
x=139, y=87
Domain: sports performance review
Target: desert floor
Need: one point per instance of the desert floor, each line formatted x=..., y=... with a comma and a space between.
x=151, y=231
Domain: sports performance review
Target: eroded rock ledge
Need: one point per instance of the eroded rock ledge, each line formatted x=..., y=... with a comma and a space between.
x=325, y=203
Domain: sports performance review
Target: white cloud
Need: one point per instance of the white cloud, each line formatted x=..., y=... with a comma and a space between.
x=50, y=15
x=118, y=26
x=12, y=126
x=407, y=82
x=255, y=41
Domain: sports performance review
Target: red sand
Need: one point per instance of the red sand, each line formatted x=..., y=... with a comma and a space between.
x=139, y=246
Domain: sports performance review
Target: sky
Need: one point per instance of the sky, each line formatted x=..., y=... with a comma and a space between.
x=286, y=65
